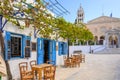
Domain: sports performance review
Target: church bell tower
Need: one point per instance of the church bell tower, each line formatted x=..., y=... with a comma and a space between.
x=80, y=15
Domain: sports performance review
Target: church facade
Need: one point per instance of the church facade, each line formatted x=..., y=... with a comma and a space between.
x=105, y=29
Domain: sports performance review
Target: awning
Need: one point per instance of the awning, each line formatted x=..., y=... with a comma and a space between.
x=3, y=71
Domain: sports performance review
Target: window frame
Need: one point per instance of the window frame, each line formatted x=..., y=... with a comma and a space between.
x=20, y=36
x=35, y=45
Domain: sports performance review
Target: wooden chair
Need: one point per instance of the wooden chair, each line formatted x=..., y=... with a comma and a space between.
x=83, y=58
x=73, y=61
x=53, y=70
x=33, y=62
x=78, y=60
x=37, y=73
x=24, y=73
x=67, y=62
x=49, y=73
x=80, y=56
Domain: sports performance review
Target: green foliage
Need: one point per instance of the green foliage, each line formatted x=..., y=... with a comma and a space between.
x=37, y=16
x=72, y=32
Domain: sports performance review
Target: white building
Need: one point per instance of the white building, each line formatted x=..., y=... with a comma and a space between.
x=22, y=46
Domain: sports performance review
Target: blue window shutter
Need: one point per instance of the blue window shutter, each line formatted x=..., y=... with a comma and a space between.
x=54, y=52
x=7, y=45
x=23, y=45
x=62, y=48
x=59, y=48
x=50, y=50
x=28, y=52
x=65, y=48
x=40, y=51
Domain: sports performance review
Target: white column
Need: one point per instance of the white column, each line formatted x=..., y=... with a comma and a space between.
x=87, y=42
x=95, y=43
x=106, y=40
x=73, y=44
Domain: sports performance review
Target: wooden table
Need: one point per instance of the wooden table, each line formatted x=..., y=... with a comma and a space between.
x=38, y=69
x=41, y=65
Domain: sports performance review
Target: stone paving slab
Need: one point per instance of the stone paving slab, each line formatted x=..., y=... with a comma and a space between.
x=96, y=67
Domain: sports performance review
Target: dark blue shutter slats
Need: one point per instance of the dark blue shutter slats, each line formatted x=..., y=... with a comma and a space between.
x=40, y=51
x=50, y=50
x=7, y=45
x=28, y=47
x=62, y=48
x=54, y=52
x=65, y=48
x=23, y=45
x=59, y=48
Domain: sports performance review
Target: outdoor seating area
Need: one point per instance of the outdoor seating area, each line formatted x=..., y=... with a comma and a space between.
x=74, y=60
x=43, y=71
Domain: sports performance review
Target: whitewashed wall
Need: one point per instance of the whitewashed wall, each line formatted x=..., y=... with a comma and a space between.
x=86, y=49
x=14, y=63
x=59, y=58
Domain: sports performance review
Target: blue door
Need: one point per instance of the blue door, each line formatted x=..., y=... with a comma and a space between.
x=50, y=50
x=54, y=52
x=65, y=48
x=40, y=51
x=59, y=48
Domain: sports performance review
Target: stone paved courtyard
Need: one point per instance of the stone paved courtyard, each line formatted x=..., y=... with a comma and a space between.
x=96, y=67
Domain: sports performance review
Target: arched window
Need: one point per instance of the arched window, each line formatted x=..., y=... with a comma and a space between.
x=101, y=40
x=102, y=37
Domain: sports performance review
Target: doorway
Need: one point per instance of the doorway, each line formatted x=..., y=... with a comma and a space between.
x=113, y=41
x=46, y=51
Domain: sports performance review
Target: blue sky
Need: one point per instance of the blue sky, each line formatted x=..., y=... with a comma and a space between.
x=92, y=8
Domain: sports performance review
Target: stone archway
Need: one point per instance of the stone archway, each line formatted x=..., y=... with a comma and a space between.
x=112, y=38
x=113, y=41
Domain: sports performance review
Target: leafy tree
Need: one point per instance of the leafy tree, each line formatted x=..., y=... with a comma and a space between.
x=34, y=15
x=71, y=32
